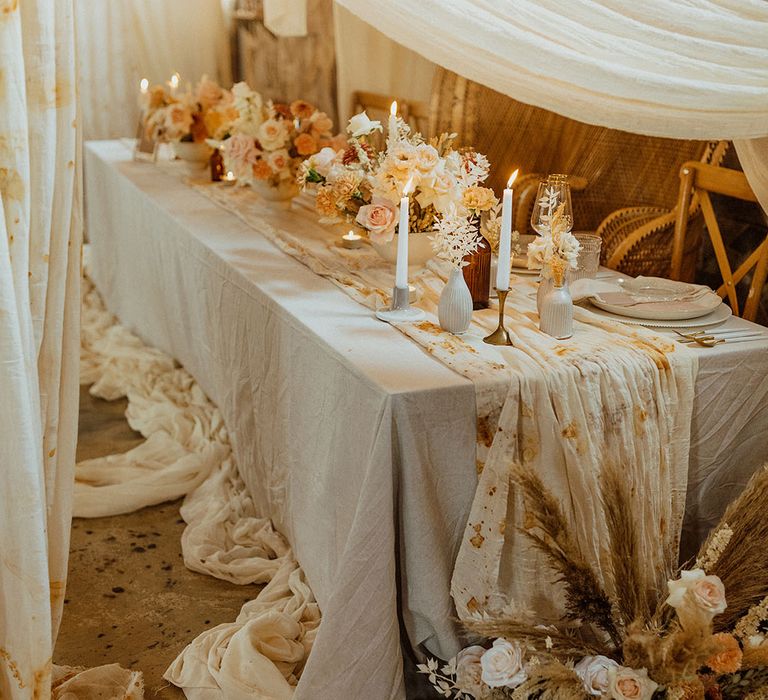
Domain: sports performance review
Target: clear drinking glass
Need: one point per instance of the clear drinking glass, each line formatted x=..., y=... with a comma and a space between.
x=552, y=192
x=588, y=262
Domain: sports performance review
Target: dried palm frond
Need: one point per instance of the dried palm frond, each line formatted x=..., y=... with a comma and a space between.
x=737, y=686
x=559, y=643
x=585, y=598
x=634, y=594
x=743, y=564
x=551, y=681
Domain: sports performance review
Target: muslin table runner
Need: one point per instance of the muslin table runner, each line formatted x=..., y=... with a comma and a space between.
x=613, y=392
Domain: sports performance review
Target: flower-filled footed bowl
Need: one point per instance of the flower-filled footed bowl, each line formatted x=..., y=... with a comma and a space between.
x=285, y=191
x=193, y=153
x=419, y=249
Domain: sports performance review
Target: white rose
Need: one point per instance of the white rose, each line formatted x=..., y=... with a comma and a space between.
x=361, y=125
x=593, y=671
x=629, y=684
x=272, y=135
x=469, y=671
x=502, y=665
x=697, y=590
x=323, y=161
x=428, y=158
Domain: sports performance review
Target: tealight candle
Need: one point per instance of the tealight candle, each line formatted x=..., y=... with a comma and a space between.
x=229, y=178
x=351, y=240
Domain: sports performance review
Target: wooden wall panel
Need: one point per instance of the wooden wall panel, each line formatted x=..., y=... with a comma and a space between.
x=289, y=68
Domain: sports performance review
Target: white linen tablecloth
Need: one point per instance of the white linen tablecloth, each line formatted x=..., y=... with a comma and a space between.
x=357, y=443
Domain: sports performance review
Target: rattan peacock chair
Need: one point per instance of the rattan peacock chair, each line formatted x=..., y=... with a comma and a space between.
x=624, y=185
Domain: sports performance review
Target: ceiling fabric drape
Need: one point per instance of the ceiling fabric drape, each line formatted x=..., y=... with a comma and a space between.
x=691, y=70
x=697, y=69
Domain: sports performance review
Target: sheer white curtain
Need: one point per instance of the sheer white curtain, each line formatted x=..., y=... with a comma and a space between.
x=122, y=41
x=39, y=341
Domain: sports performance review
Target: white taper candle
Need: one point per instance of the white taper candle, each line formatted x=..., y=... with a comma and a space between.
x=505, y=237
x=401, y=270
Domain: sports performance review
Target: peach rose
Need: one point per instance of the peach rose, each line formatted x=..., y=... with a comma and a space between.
x=478, y=198
x=209, y=93
x=278, y=160
x=727, y=659
x=302, y=109
x=630, y=684
x=156, y=96
x=262, y=171
x=305, y=145
x=694, y=589
x=379, y=218
x=321, y=124
x=240, y=154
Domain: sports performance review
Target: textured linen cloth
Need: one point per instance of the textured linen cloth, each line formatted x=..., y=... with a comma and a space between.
x=353, y=439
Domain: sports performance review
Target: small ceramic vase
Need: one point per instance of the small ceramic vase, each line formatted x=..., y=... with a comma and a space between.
x=556, y=316
x=454, y=310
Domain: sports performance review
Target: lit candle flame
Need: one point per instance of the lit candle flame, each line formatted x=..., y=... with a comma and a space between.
x=408, y=189
x=351, y=236
x=512, y=178
x=393, y=108
x=175, y=80
x=230, y=175
x=144, y=84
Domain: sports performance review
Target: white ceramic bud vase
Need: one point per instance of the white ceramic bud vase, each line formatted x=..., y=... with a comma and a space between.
x=454, y=310
x=556, y=314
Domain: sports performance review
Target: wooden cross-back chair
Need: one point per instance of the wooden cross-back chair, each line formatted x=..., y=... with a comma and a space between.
x=697, y=180
x=413, y=113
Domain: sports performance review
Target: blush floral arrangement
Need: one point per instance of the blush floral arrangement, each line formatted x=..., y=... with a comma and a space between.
x=193, y=116
x=267, y=141
x=362, y=185
x=703, y=638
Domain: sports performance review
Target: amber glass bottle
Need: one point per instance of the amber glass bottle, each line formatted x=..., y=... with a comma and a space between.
x=477, y=274
x=217, y=166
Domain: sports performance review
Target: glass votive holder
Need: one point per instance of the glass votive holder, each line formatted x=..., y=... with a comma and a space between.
x=588, y=262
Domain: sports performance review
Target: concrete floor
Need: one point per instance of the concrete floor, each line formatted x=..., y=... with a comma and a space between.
x=129, y=598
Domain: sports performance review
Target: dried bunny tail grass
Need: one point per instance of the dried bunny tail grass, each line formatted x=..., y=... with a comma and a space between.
x=673, y=656
x=743, y=564
x=549, y=639
x=633, y=593
x=585, y=598
x=551, y=681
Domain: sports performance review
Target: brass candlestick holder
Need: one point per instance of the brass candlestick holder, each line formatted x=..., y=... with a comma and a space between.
x=500, y=336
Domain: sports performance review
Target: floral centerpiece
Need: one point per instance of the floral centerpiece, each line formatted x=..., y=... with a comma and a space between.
x=362, y=185
x=193, y=116
x=268, y=141
x=704, y=637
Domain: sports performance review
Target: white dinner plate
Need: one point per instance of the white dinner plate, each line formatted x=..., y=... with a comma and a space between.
x=662, y=310
x=714, y=318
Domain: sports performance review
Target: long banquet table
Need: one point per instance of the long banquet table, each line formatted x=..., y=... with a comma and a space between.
x=358, y=444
